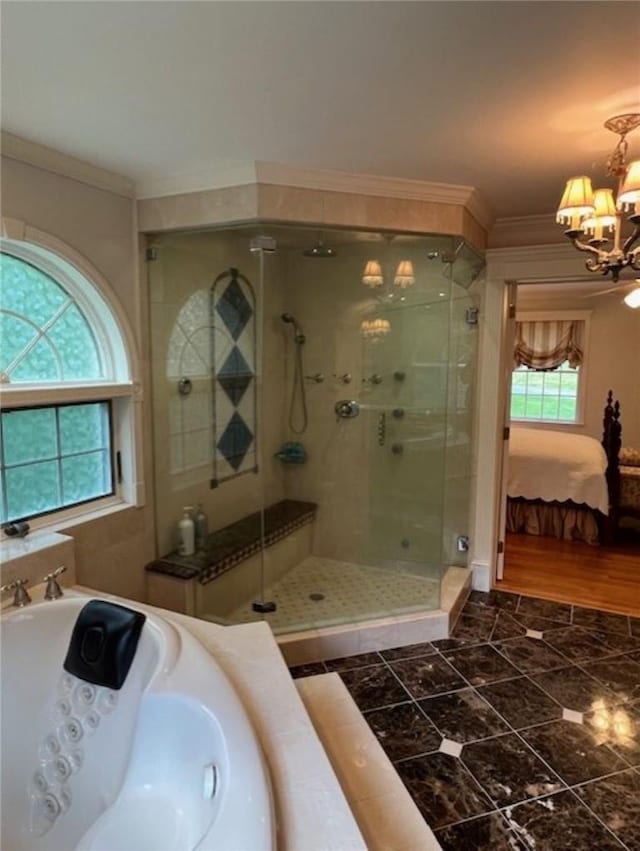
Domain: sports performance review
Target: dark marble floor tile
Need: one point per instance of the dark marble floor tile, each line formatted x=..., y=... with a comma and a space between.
x=481, y=665
x=621, y=674
x=616, y=643
x=513, y=625
x=574, y=689
x=531, y=655
x=506, y=626
x=578, y=644
x=463, y=716
x=467, y=632
x=308, y=670
x=616, y=800
x=602, y=621
x=373, y=687
x=442, y=789
x=347, y=663
x=487, y=833
x=495, y=599
x=558, y=823
x=635, y=626
x=521, y=702
x=403, y=731
x=572, y=752
x=619, y=728
x=475, y=610
x=425, y=676
x=408, y=652
x=508, y=770
x=546, y=609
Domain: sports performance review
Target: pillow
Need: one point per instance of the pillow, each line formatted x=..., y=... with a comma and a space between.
x=629, y=457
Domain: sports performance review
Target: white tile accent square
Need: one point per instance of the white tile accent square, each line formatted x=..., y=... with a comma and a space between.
x=534, y=633
x=450, y=747
x=573, y=716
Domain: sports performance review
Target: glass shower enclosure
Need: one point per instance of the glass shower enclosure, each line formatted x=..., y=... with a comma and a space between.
x=314, y=392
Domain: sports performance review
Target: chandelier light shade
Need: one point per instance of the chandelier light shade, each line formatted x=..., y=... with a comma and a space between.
x=372, y=275
x=632, y=299
x=630, y=190
x=577, y=201
x=604, y=213
x=404, y=275
x=374, y=329
x=589, y=213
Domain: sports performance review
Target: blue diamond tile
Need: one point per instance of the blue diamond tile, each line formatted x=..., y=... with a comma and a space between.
x=235, y=441
x=234, y=309
x=235, y=364
x=235, y=386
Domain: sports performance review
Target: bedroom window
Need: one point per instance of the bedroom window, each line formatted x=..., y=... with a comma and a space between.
x=549, y=366
x=545, y=396
x=66, y=390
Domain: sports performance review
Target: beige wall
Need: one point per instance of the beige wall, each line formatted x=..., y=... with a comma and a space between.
x=612, y=361
x=188, y=264
x=111, y=551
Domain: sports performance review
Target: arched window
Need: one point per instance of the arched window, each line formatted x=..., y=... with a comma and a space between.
x=66, y=389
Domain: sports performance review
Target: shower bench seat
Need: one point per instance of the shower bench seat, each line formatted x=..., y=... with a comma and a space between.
x=182, y=583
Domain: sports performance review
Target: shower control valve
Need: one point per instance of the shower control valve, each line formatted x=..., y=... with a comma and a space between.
x=373, y=379
x=345, y=378
x=346, y=409
x=317, y=377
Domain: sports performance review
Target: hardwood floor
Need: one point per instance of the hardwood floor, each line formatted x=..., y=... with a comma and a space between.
x=571, y=572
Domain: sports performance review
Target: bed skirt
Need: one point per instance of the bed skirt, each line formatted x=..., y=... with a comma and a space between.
x=565, y=520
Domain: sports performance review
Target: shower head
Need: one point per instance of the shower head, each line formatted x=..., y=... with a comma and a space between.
x=290, y=319
x=319, y=249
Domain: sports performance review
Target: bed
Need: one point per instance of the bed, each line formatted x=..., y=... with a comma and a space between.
x=565, y=485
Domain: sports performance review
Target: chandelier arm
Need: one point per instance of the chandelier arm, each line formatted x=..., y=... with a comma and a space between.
x=631, y=240
x=590, y=249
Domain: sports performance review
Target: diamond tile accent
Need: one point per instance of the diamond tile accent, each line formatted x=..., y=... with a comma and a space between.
x=234, y=309
x=235, y=441
x=235, y=376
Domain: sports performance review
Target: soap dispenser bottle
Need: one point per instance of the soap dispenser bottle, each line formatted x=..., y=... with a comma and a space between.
x=201, y=529
x=186, y=533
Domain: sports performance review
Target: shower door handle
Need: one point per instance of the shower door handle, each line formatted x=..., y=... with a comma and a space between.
x=346, y=409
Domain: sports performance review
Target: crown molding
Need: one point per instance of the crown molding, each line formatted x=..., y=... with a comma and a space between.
x=222, y=176
x=329, y=180
x=48, y=159
x=526, y=230
x=240, y=173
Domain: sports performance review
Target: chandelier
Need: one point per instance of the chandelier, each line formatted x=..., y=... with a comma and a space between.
x=592, y=213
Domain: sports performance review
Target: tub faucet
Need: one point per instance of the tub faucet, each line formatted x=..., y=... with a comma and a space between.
x=21, y=596
x=53, y=590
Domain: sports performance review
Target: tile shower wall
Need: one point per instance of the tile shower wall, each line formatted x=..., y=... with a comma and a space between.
x=192, y=444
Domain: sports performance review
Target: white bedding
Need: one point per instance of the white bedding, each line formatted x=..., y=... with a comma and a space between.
x=554, y=465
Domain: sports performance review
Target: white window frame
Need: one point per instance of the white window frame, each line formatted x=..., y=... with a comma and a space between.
x=561, y=316
x=121, y=386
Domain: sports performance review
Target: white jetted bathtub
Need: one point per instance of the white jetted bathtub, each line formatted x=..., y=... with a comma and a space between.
x=169, y=762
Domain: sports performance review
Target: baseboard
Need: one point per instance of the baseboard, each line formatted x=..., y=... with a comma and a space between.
x=481, y=575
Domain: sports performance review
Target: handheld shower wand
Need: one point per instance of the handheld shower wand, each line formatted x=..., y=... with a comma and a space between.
x=298, y=376
x=290, y=319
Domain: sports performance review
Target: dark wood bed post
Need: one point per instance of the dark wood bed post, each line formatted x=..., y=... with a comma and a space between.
x=611, y=443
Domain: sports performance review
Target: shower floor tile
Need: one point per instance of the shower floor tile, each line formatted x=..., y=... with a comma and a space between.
x=343, y=592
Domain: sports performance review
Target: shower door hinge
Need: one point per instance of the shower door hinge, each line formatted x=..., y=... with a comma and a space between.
x=500, y=547
x=512, y=311
x=471, y=315
x=506, y=433
x=151, y=254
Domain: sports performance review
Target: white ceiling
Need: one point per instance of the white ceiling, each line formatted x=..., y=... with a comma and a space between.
x=505, y=96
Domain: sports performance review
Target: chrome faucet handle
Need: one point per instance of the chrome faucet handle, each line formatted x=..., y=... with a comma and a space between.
x=21, y=596
x=53, y=590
